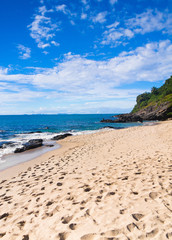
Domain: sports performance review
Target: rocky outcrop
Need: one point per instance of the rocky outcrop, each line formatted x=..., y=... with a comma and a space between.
x=154, y=105
x=34, y=143
x=122, y=118
x=156, y=112
x=153, y=112
x=61, y=136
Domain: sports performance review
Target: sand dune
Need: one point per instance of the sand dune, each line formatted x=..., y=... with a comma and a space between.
x=103, y=186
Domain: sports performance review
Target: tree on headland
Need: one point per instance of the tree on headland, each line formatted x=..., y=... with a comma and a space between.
x=156, y=96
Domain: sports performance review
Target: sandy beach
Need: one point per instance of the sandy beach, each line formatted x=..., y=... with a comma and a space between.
x=109, y=185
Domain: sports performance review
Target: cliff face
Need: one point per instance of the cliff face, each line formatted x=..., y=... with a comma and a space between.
x=155, y=112
x=156, y=105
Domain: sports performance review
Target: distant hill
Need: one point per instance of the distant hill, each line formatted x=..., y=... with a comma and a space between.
x=156, y=105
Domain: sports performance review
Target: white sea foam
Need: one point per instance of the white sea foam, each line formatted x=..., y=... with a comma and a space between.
x=21, y=139
x=91, y=131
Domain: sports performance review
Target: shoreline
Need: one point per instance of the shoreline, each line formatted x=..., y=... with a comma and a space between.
x=26, y=156
x=60, y=144
x=110, y=184
x=23, y=166
x=40, y=155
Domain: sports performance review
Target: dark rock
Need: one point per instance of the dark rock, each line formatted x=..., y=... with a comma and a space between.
x=154, y=112
x=34, y=143
x=19, y=150
x=122, y=118
x=61, y=136
x=34, y=132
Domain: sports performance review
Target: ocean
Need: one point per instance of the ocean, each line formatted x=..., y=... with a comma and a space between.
x=16, y=130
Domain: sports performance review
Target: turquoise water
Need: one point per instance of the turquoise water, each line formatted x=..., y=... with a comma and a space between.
x=10, y=125
x=17, y=130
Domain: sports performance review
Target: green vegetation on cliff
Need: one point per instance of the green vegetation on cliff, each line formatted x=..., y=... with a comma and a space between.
x=155, y=97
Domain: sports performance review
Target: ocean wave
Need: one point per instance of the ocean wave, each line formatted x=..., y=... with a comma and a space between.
x=18, y=140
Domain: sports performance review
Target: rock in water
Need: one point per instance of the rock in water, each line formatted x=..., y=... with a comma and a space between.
x=31, y=144
x=62, y=136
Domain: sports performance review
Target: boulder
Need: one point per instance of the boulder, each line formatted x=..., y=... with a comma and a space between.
x=61, y=136
x=31, y=144
x=34, y=132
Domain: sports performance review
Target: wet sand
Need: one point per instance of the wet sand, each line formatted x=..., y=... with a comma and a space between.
x=103, y=186
x=11, y=160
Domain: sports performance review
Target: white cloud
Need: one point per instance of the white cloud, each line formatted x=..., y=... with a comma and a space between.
x=84, y=2
x=112, y=35
x=42, y=29
x=83, y=16
x=112, y=2
x=143, y=23
x=65, y=10
x=150, y=21
x=77, y=79
x=55, y=43
x=3, y=71
x=62, y=8
x=24, y=52
x=113, y=25
x=43, y=45
x=22, y=95
x=45, y=52
x=100, y=17
x=151, y=62
x=72, y=22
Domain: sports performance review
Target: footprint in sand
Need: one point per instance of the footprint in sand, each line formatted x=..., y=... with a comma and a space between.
x=25, y=237
x=153, y=195
x=88, y=189
x=90, y=236
x=131, y=227
x=62, y=236
x=59, y=184
x=2, y=234
x=137, y=216
x=111, y=233
x=21, y=224
x=73, y=226
x=49, y=203
x=66, y=220
x=152, y=233
x=169, y=235
x=107, y=238
x=5, y=215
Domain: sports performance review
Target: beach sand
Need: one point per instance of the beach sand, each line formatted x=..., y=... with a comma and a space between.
x=109, y=185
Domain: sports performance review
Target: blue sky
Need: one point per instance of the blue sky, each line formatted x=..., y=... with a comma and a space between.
x=82, y=56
